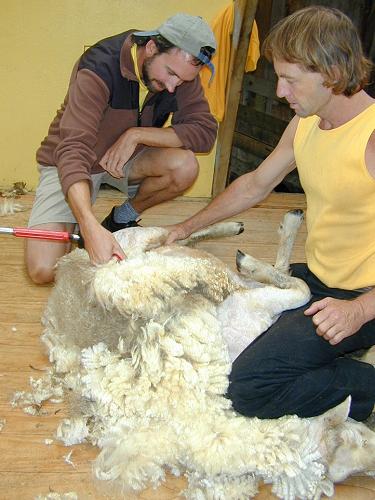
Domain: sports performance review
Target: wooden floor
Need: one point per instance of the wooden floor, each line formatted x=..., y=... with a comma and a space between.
x=29, y=466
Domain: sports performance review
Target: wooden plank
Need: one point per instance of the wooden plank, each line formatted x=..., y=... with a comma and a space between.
x=13, y=362
x=24, y=333
x=244, y=18
x=22, y=485
x=247, y=115
x=253, y=130
x=249, y=144
x=45, y=457
x=261, y=86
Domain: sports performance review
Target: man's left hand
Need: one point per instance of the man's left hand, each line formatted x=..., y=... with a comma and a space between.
x=336, y=319
x=118, y=154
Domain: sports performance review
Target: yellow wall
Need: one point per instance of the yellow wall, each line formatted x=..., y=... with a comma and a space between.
x=40, y=40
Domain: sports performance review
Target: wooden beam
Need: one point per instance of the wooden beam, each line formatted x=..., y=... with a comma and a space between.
x=244, y=13
x=251, y=145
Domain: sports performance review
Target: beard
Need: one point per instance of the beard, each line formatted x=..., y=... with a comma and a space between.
x=147, y=80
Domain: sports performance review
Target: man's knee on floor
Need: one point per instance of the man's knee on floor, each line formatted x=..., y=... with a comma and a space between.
x=183, y=169
x=40, y=273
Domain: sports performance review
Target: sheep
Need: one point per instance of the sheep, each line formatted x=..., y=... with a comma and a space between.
x=144, y=346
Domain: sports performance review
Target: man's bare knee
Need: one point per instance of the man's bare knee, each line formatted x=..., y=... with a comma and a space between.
x=184, y=169
x=40, y=273
x=41, y=257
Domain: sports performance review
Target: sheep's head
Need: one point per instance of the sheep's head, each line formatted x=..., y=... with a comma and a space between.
x=347, y=446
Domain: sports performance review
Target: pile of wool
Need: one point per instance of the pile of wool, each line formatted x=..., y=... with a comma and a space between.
x=139, y=345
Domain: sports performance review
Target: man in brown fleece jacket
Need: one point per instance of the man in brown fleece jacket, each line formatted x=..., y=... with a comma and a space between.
x=110, y=129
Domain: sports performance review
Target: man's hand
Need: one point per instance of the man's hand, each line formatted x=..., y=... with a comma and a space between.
x=119, y=153
x=336, y=319
x=101, y=245
x=176, y=232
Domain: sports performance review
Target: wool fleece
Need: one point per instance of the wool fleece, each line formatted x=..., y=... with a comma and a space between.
x=142, y=349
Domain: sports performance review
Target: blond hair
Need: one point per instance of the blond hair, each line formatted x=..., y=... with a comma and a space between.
x=322, y=40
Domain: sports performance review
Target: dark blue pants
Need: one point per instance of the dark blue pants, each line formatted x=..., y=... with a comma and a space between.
x=289, y=369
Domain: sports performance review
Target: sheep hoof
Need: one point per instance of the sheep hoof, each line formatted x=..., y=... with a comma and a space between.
x=239, y=258
x=241, y=228
x=297, y=212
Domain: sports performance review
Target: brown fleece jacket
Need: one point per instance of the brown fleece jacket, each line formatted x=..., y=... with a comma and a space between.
x=102, y=103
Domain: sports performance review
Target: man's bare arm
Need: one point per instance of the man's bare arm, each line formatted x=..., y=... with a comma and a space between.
x=246, y=191
x=119, y=153
x=99, y=243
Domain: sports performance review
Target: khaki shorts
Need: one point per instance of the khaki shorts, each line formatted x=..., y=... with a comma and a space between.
x=50, y=204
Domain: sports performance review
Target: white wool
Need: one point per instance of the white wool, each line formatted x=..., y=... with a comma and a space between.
x=234, y=318
x=96, y=356
x=146, y=347
x=8, y=206
x=43, y=389
x=71, y=495
x=135, y=242
x=66, y=360
x=72, y=431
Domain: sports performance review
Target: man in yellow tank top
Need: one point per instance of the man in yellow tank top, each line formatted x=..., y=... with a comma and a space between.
x=299, y=366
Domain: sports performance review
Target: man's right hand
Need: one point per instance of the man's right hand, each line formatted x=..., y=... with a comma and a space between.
x=101, y=245
x=119, y=153
x=176, y=232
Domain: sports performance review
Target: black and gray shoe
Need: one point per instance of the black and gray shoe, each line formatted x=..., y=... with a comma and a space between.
x=111, y=225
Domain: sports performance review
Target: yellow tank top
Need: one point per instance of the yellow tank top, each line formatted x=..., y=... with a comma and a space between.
x=340, y=195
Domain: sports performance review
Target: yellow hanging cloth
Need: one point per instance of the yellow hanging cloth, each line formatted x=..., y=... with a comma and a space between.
x=222, y=26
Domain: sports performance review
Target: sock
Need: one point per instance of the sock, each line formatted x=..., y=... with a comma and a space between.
x=125, y=213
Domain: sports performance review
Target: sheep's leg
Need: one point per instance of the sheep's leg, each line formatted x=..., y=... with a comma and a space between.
x=256, y=270
x=263, y=272
x=136, y=240
x=220, y=230
x=264, y=303
x=288, y=231
x=266, y=273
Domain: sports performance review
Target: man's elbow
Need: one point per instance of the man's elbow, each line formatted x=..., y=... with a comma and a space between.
x=207, y=145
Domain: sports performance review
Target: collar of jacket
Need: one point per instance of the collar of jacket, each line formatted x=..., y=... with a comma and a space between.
x=126, y=60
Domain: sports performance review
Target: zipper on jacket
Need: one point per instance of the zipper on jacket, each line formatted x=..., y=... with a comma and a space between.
x=140, y=110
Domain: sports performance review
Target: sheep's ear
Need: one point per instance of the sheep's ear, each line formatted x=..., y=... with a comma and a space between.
x=339, y=414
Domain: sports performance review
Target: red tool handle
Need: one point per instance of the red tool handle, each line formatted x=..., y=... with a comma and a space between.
x=24, y=232
x=117, y=256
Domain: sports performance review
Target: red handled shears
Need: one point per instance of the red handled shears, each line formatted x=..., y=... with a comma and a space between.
x=45, y=234
x=40, y=234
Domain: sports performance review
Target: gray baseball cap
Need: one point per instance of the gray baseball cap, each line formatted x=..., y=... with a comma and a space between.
x=189, y=33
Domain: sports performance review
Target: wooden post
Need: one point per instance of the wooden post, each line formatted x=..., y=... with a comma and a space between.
x=244, y=13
